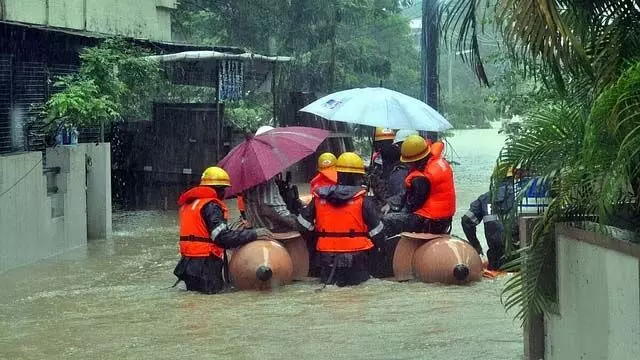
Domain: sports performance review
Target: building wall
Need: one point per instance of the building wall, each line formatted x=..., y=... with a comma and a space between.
x=147, y=19
x=67, y=14
x=34, y=224
x=599, y=303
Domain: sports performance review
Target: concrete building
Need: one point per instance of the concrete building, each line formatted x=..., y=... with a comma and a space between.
x=41, y=39
x=145, y=19
x=55, y=199
x=415, y=25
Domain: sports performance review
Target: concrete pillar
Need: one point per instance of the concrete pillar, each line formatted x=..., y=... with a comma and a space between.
x=71, y=229
x=533, y=332
x=98, y=190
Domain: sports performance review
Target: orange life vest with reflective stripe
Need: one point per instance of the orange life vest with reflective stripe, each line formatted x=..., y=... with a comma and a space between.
x=325, y=177
x=441, y=201
x=195, y=237
x=341, y=228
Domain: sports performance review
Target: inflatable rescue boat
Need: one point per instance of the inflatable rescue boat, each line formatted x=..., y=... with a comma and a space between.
x=435, y=258
x=261, y=265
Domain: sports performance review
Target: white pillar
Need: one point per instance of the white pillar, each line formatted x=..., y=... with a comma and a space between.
x=98, y=190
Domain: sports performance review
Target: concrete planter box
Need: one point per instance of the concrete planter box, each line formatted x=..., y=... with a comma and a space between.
x=598, y=309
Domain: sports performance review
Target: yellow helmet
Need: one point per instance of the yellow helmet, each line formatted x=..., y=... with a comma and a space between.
x=510, y=170
x=215, y=176
x=384, y=134
x=350, y=163
x=414, y=148
x=326, y=160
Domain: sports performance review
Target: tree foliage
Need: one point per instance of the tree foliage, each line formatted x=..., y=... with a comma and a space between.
x=582, y=140
x=336, y=44
x=114, y=80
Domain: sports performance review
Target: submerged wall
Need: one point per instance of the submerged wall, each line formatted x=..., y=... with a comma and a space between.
x=598, y=298
x=36, y=223
x=598, y=308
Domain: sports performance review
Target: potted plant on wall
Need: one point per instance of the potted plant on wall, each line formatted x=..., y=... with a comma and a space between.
x=115, y=80
x=79, y=105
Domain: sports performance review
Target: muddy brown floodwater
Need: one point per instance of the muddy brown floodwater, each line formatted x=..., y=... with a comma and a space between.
x=110, y=300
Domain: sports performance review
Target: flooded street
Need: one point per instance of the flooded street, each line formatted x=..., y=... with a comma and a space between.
x=111, y=300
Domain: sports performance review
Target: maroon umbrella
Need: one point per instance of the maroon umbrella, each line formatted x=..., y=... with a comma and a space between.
x=260, y=158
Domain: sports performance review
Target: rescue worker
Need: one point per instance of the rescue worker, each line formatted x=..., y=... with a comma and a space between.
x=488, y=209
x=327, y=174
x=382, y=257
x=265, y=206
x=396, y=191
x=382, y=161
x=204, y=234
x=431, y=198
x=346, y=224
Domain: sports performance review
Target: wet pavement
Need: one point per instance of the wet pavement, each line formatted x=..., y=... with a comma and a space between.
x=110, y=300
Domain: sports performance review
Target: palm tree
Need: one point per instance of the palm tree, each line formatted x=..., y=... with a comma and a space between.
x=585, y=145
x=570, y=38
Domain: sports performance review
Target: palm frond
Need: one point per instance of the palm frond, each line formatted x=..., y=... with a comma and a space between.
x=464, y=21
x=529, y=290
x=584, y=147
x=570, y=38
x=589, y=159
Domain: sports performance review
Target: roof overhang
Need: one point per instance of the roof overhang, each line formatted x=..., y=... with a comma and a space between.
x=195, y=56
x=164, y=46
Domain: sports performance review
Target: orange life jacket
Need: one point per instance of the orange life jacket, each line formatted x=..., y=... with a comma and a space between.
x=441, y=201
x=437, y=148
x=195, y=237
x=341, y=228
x=241, y=206
x=326, y=177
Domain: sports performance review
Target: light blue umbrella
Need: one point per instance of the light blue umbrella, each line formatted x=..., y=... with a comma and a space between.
x=378, y=107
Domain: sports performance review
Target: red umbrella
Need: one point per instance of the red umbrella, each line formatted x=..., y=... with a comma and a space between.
x=260, y=158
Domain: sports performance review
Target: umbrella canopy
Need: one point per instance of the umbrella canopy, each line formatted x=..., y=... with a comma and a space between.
x=262, y=157
x=378, y=107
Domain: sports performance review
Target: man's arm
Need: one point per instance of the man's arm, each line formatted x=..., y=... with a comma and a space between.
x=278, y=219
x=307, y=218
x=417, y=195
x=220, y=233
x=470, y=221
x=374, y=225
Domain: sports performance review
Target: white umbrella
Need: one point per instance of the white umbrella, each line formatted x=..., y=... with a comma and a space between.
x=378, y=107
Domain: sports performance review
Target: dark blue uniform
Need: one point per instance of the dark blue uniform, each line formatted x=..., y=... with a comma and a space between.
x=480, y=211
